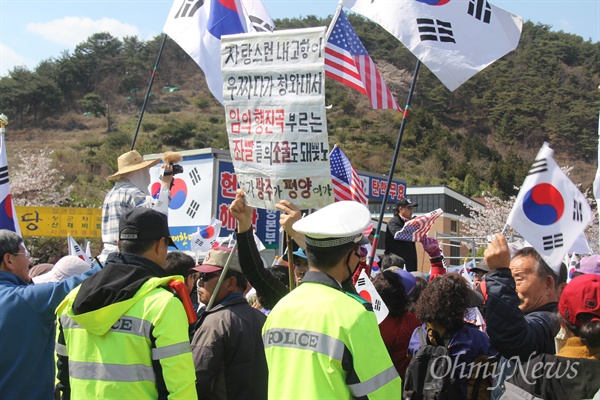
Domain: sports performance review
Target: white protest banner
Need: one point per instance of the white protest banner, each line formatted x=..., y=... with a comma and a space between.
x=274, y=97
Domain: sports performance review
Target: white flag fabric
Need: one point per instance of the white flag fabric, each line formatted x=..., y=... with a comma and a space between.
x=580, y=245
x=76, y=250
x=454, y=39
x=8, y=215
x=550, y=212
x=204, y=239
x=366, y=290
x=88, y=251
x=197, y=27
x=259, y=243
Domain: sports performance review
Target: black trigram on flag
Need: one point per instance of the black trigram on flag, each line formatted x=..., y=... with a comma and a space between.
x=481, y=10
x=435, y=30
x=189, y=8
x=377, y=305
x=577, y=211
x=260, y=25
x=538, y=167
x=194, y=176
x=553, y=241
x=3, y=175
x=193, y=208
x=361, y=282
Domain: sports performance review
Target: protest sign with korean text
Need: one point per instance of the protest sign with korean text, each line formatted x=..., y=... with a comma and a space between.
x=274, y=97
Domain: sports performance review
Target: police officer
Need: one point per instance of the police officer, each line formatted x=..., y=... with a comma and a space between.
x=124, y=334
x=323, y=330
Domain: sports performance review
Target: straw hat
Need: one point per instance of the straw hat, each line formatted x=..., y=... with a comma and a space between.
x=129, y=162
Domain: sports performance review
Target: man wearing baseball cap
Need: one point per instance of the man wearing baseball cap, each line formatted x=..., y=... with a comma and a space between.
x=124, y=334
x=588, y=265
x=407, y=250
x=319, y=328
x=229, y=355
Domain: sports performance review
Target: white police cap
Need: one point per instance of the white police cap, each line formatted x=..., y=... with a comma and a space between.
x=336, y=224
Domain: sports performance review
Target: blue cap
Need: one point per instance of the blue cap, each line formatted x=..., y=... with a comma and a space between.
x=408, y=280
x=299, y=253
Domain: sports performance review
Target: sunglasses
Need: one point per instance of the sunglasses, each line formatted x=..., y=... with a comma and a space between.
x=205, y=277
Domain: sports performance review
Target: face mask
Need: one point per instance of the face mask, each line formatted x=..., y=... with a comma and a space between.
x=140, y=179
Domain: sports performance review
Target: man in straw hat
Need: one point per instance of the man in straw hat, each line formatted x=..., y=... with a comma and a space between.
x=131, y=191
x=319, y=328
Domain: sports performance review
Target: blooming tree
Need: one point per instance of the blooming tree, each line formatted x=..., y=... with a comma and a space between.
x=34, y=181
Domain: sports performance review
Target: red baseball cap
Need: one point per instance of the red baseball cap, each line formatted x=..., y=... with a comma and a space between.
x=580, y=296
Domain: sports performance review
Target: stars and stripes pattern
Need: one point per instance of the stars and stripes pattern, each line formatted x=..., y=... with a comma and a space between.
x=346, y=183
x=417, y=228
x=347, y=61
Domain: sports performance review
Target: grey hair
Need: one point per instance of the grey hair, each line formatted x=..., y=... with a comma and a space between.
x=542, y=270
x=9, y=243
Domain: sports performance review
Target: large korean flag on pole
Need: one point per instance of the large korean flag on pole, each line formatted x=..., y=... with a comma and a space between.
x=197, y=27
x=550, y=211
x=455, y=39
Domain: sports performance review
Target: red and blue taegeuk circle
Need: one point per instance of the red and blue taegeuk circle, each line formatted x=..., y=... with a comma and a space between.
x=434, y=2
x=207, y=232
x=543, y=204
x=178, y=193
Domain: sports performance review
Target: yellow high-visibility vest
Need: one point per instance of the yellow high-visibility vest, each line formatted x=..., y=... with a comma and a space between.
x=127, y=349
x=322, y=343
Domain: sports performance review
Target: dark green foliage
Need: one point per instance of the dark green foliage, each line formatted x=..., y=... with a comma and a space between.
x=176, y=133
x=483, y=136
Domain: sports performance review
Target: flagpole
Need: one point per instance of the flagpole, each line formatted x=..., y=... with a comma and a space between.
x=222, y=276
x=291, y=276
x=394, y=159
x=595, y=189
x=137, y=128
x=338, y=10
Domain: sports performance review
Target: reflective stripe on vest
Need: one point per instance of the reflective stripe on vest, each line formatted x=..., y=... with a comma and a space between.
x=126, y=324
x=172, y=350
x=61, y=349
x=111, y=372
x=364, y=388
x=305, y=340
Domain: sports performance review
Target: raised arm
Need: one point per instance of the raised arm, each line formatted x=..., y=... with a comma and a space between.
x=268, y=286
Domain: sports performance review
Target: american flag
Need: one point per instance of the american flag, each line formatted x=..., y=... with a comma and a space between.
x=416, y=229
x=346, y=183
x=347, y=61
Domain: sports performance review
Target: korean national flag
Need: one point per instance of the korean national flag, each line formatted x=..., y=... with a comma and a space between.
x=550, y=211
x=197, y=27
x=367, y=291
x=204, y=239
x=454, y=39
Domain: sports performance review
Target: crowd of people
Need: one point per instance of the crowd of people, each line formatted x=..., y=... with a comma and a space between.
x=153, y=323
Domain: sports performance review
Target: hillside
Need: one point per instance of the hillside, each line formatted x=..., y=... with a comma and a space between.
x=482, y=137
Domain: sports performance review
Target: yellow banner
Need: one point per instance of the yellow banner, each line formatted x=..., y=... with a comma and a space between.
x=60, y=221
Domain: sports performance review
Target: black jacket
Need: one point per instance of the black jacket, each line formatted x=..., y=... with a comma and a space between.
x=402, y=248
x=551, y=377
x=513, y=334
